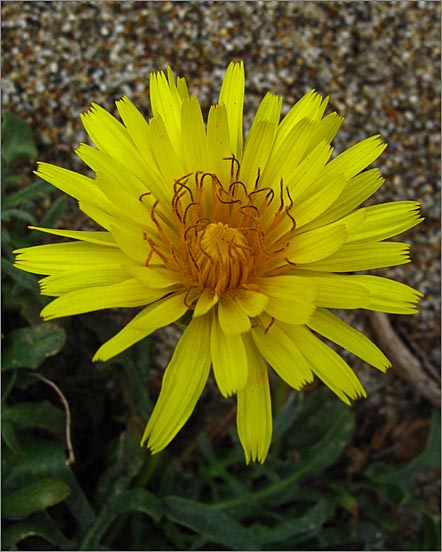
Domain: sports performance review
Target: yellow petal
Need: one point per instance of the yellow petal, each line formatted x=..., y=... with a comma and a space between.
x=251, y=302
x=386, y=220
x=181, y=85
x=232, y=318
x=315, y=245
x=357, y=190
x=254, y=413
x=327, y=364
x=232, y=95
x=257, y=152
x=101, y=238
x=205, y=302
x=366, y=256
x=387, y=295
x=326, y=129
x=283, y=355
x=183, y=383
x=260, y=139
x=304, y=211
x=287, y=154
x=193, y=136
x=332, y=291
x=335, y=329
x=166, y=102
x=340, y=294
x=356, y=158
x=302, y=181
x=76, y=279
x=122, y=188
x=157, y=315
x=290, y=300
x=112, y=138
x=104, y=218
x=155, y=278
x=76, y=185
x=218, y=142
x=129, y=293
x=57, y=257
x=138, y=130
x=311, y=106
x=167, y=158
x=229, y=360
x=132, y=240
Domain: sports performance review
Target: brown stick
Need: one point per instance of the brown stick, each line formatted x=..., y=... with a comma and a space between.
x=404, y=364
x=71, y=455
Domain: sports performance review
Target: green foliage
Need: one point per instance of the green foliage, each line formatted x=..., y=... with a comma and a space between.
x=197, y=495
x=17, y=142
x=28, y=347
x=34, y=497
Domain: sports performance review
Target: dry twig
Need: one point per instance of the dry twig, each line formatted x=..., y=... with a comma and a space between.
x=403, y=362
x=71, y=455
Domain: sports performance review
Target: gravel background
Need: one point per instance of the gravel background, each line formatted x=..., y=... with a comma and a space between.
x=378, y=61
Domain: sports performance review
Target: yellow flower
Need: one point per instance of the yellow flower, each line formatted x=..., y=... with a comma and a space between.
x=250, y=237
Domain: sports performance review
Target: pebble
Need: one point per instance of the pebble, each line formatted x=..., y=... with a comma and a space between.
x=379, y=62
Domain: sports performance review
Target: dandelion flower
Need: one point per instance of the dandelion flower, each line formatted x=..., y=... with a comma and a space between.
x=251, y=238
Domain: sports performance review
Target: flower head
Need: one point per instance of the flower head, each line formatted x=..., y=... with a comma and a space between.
x=253, y=239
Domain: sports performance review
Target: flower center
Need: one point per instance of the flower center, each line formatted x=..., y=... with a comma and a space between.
x=223, y=257
x=221, y=236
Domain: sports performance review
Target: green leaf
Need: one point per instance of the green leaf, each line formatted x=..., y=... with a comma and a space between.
x=288, y=414
x=26, y=194
x=35, y=497
x=314, y=461
x=28, y=347
x=17, y=142
x=10, y=437
x=23, y=279
x=429, y=538
x=39, y=525
x=18, y=214
x=130, y=458
x=134, y=500
x=215, y=526
x=142, y=402
x=42, y=415
x=311, y=521
x=39, y=459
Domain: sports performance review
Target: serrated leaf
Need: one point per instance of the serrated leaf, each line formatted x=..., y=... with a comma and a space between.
x=33, y=498
x=41, y=415
x=26, y=194
x=134, y=500
x=17, y=142
x=28, y=347
x=215, y=526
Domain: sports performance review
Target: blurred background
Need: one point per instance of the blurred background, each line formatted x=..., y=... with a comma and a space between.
x=360, y=478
